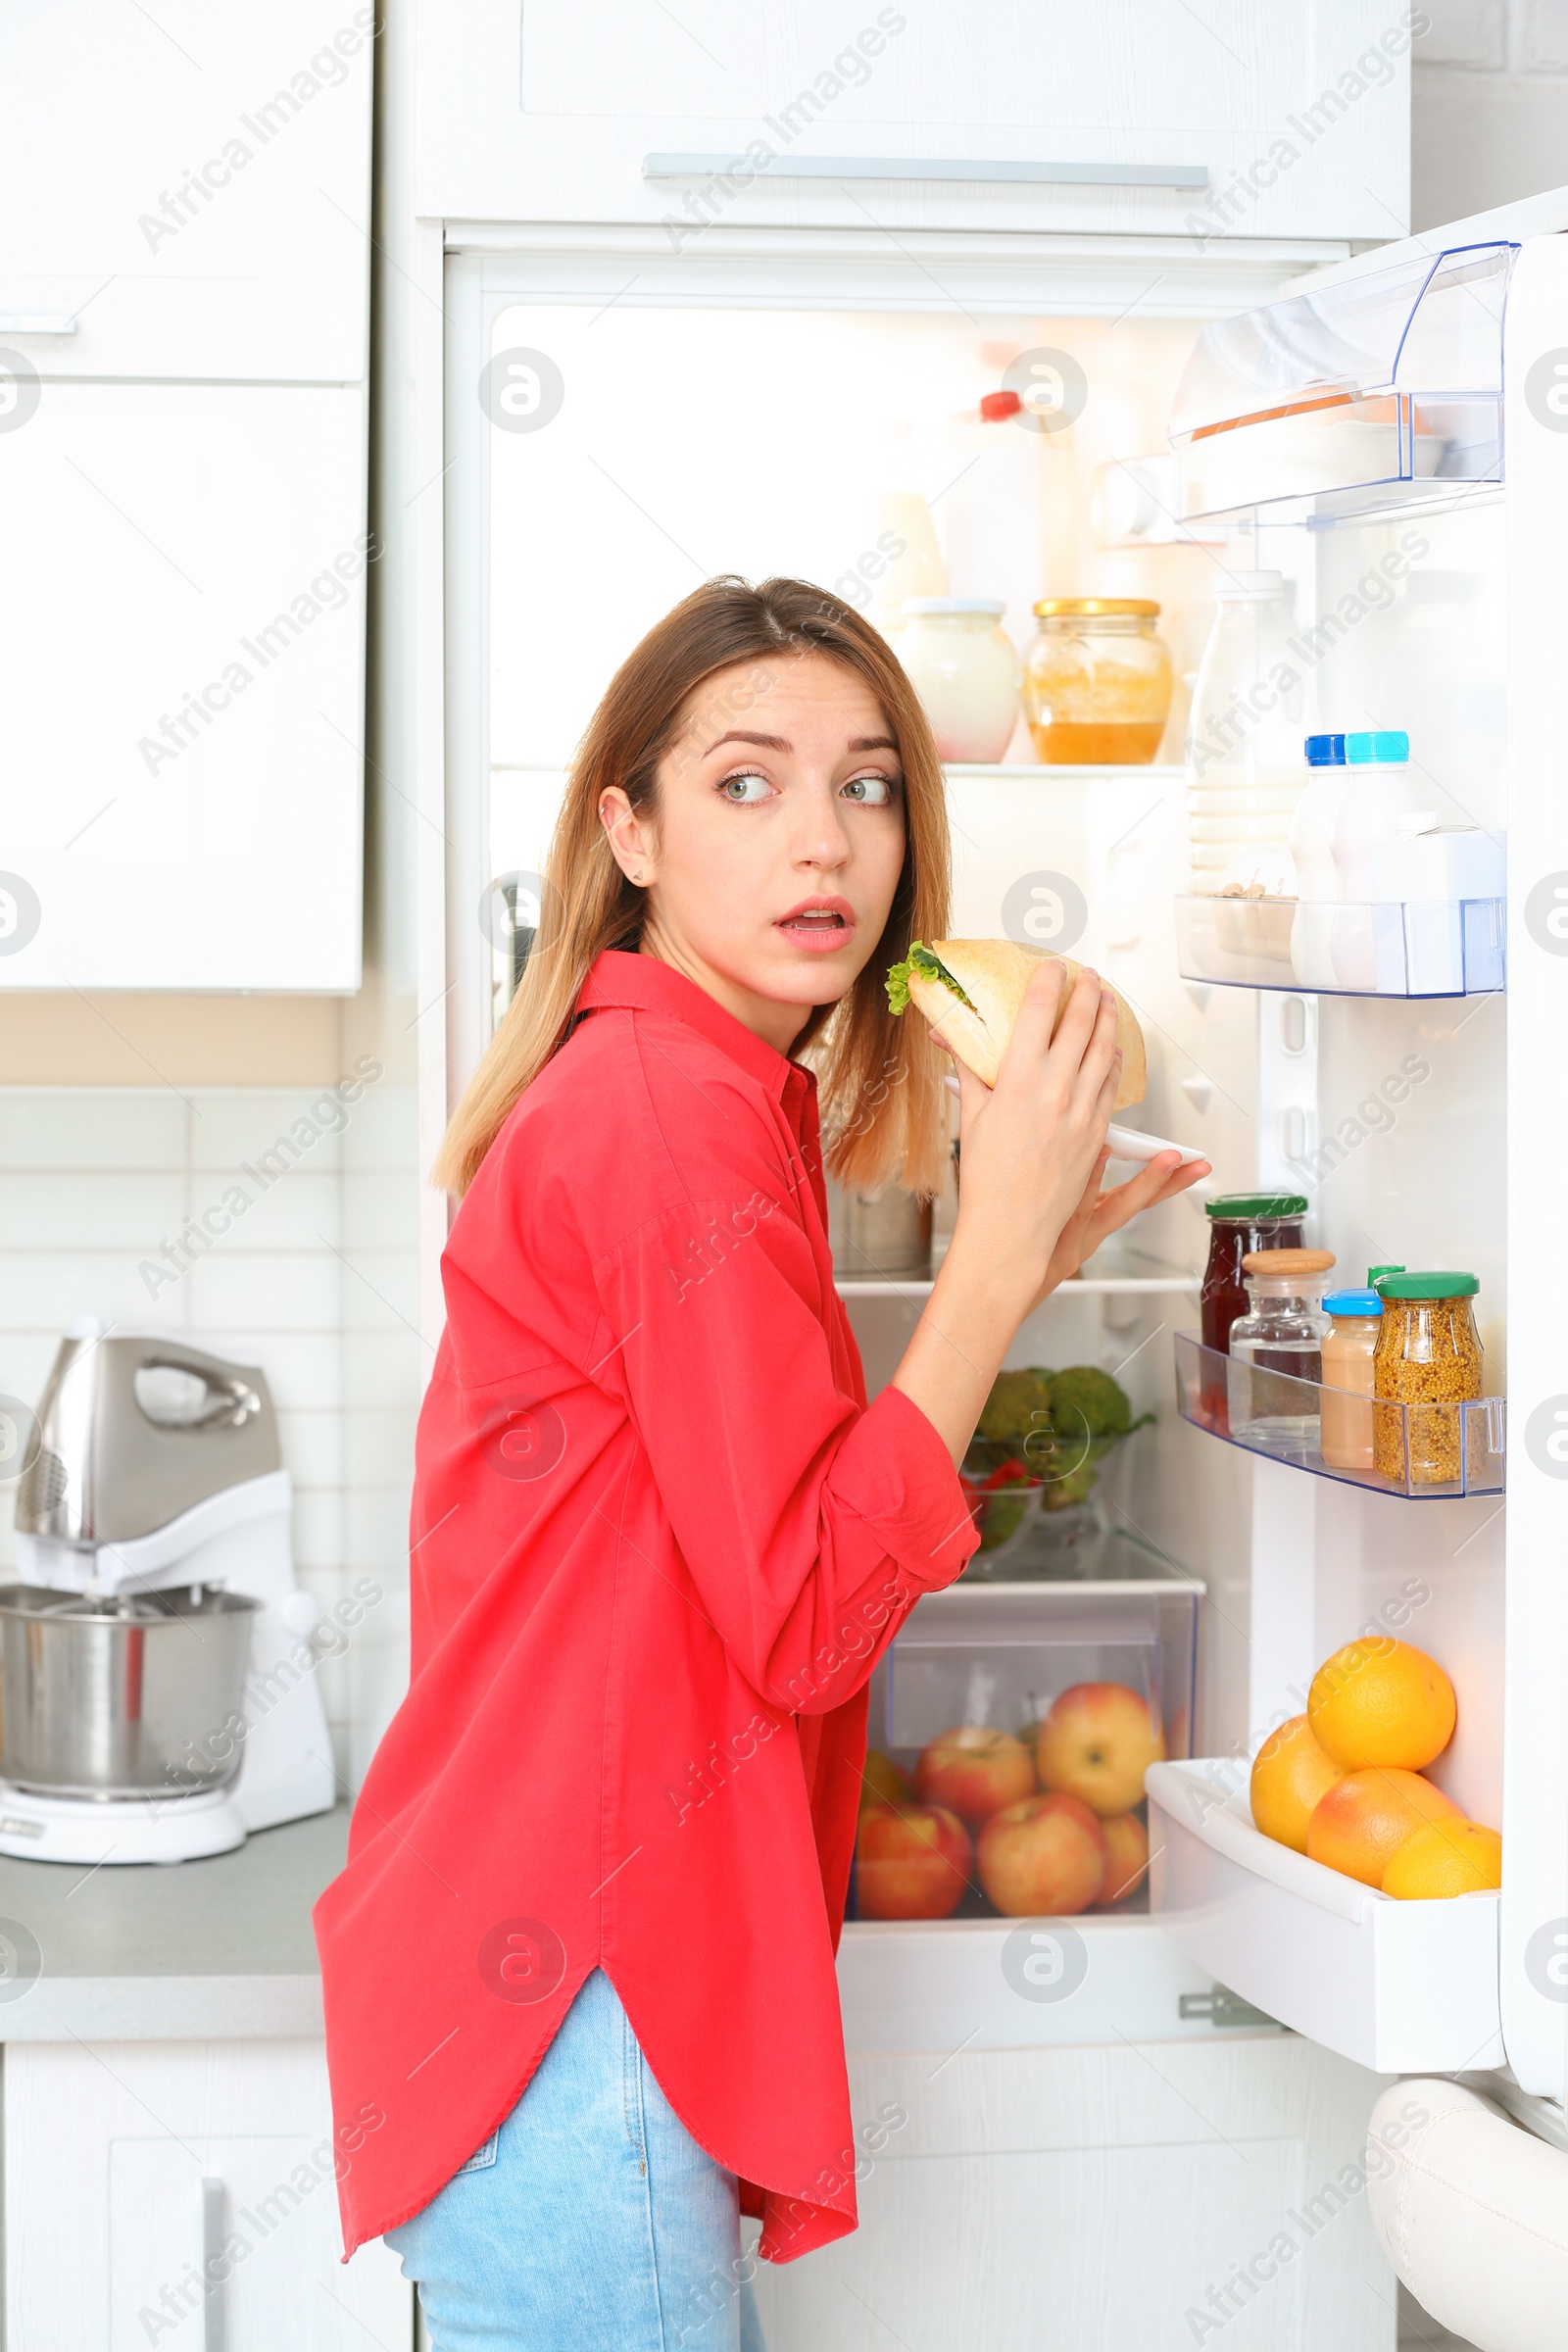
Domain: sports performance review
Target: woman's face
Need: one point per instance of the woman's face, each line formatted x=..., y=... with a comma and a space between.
x=770, y=867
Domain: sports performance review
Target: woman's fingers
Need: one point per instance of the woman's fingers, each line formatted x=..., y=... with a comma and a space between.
x=1161, y=1180
x=973, y=1095
x=1036, y=1014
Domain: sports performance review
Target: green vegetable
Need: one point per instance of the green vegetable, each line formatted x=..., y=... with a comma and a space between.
x=1018, y=1406
x=1086, y=1402
x=919, y=960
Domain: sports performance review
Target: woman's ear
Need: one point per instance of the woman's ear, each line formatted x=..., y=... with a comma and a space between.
x=630, y=838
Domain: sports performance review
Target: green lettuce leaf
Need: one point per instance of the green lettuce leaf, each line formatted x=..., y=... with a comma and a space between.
x=919, y=960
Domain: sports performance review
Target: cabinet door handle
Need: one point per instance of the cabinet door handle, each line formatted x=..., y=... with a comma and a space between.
x=37, y=322
x=215, y=2286
x=927, y=167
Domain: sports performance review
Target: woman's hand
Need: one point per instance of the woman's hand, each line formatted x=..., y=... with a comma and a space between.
x=1100, y=1214
x=1034, y=1143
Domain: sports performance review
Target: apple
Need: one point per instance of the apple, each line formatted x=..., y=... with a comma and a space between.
x=1096, y=1742
x=1126, y=1858
x=911, y=1862
x=974, y=1771
x=1043, y=1857
x=883, y=1781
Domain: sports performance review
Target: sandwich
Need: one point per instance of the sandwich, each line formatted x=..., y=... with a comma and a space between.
x=971, y=990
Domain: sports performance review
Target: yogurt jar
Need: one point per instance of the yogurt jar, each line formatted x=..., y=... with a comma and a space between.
x=963, y=668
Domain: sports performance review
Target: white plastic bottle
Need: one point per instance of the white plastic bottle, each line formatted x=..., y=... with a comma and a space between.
x=1317, y=882
x=1378, y=793
x=1245, y=766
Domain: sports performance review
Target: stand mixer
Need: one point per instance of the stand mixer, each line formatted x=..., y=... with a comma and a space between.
x=158, y=1693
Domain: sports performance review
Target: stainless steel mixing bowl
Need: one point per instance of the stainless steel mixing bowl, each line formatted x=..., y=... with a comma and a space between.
x=137, y=1696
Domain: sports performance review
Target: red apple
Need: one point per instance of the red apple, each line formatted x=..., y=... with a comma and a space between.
x=974, y=1772
x=1043, y=1857
x=911, y=1862
x=1096, y=1742
x=1126, y=1858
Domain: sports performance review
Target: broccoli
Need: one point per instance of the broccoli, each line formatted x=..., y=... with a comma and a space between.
x=1018, y=1406
x=920, y=959
x=1087, y=1402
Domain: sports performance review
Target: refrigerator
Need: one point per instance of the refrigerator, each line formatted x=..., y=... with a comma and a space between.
x=1391, y=435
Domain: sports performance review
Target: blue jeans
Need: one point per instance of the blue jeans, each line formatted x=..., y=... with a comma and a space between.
x=590, y=2222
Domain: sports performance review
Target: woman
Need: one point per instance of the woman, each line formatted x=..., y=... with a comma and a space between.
x=579, y=1970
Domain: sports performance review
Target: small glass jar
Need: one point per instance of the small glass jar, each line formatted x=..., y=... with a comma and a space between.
x=1096, y=682
x=1237, y=1223
x=1429, y=1361
x=963, y=667
x=1345, y=1440
x=1277, y=1346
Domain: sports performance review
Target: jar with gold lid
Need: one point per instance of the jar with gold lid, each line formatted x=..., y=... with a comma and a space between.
x=1097, y=682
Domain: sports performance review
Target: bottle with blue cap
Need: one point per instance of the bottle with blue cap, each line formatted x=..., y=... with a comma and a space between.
x=1317, y=883
x=1377, y=794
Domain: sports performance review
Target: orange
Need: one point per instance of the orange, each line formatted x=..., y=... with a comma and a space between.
x=1446, y=1857
x=1365, y=1818
x=1290, y=1772
x=1381, y=1701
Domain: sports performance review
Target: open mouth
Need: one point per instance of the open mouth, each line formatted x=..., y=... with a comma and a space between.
x=820, y=925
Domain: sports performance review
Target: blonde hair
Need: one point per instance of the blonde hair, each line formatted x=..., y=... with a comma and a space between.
x=879, y=1078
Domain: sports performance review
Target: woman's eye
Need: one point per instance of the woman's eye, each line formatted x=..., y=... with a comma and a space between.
x=873, y=792
x=745, y=790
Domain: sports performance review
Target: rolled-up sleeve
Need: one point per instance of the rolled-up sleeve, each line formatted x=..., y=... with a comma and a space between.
x=807, y=1522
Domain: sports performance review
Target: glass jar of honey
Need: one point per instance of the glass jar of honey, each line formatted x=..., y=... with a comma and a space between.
x=1096, y=682
x=1428, y=1361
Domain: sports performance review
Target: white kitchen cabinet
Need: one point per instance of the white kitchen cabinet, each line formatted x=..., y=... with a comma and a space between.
x=1125, y=116
x=182, y=605
x=1157, y=2195
x=186, y=189
x=128, y=2164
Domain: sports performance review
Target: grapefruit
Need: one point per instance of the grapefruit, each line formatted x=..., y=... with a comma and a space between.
x=1289, y=1774
x=1446, y=1857
x=1381, y=1701
x=1364, y=1819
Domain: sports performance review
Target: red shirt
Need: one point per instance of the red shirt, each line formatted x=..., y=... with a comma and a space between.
x=658, y=1542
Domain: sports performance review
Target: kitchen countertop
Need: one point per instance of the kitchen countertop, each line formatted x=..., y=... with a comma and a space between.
x=192, y=1951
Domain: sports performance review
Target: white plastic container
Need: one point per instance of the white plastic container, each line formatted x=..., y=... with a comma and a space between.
x=1440, y=894
x=1379, y=795
x=1317, y=883
x=1246, y=769
x=965, y=671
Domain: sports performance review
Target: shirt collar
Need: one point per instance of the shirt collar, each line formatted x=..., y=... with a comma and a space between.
x=642, y=982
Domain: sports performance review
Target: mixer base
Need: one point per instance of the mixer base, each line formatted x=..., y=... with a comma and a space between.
x=151, y=1828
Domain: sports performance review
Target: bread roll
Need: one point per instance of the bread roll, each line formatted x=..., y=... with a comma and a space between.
x=994, y=974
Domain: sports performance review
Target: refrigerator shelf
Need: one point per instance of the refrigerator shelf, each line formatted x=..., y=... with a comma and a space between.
x=1441, y=947
x=1086, y=1286
x=1402, y=1987
x=1442, y=1450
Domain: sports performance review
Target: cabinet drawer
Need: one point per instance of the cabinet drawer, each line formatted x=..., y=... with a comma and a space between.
x=859, y=115
x=182, y=605
x=129, y=2168
x=190, y=197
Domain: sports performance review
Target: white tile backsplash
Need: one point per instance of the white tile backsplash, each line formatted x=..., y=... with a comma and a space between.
x=316, y=1282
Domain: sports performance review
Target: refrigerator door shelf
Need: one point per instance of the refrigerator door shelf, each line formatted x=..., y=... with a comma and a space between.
x=1441, y=1449
x=1399, y=1988
x=1441, y=947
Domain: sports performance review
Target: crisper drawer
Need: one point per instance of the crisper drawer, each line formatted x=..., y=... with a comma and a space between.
x=1010, y=1726
x=1404, y=1988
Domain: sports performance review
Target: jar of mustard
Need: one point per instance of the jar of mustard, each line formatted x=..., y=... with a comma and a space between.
x=1427, y=1359
x=1096, y=682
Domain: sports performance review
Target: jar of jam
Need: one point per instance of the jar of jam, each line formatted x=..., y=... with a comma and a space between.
x=1238, y=1224
x=1097, y=682
x=1428, y=1361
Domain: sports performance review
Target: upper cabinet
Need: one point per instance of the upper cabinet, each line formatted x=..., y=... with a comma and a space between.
x=186, y=191
x=1237, y=119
